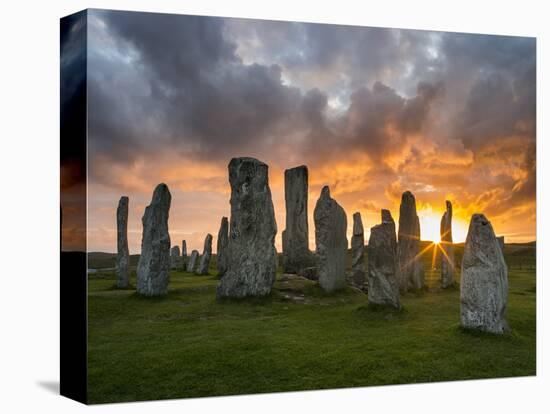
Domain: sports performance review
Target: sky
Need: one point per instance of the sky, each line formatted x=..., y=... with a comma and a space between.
x=372, y=112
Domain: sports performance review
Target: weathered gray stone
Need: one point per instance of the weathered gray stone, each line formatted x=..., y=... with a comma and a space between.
x=183, y=254
x=123, y=254
x=251, y=255
x=206, y=255
x=221, y=248
x=484, y=279
x=358, y=251
x=154, y=262
x=331, y=242
x=408, y=248
x=192, y=262
x=386, y=216
x=296, y=253
x=447, y=248
x=500, y=240
x=175, y=257
x=383, y=265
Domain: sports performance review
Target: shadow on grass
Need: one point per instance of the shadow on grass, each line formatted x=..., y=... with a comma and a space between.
x=380, y=312
x=476, y=333
x=115, y=287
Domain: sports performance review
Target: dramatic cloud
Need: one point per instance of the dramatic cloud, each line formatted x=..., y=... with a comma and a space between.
x=371, y=111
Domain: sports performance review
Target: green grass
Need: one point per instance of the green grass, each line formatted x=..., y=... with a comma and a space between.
x=190, y=345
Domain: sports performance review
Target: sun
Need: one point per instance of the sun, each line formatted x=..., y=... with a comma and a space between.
x=429, y=226
x=430, y=222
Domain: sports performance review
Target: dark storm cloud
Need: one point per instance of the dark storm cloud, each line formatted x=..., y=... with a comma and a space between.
x=73, y=99
x=211, y=88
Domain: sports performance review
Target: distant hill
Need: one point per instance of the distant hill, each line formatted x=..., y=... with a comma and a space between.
x=102, y=260
x=516, y=255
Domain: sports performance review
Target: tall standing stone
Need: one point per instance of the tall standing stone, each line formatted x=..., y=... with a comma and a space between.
x=123, y=254
x=206, y=255
x=296, y=253
x=154, y=262
x=175, y=257
x=408, y=248
x=383, y=267
x=484, y=279
x=221, y=248
x=358, y=251
x=251, y=255
x=331, y=242
x=183, y=254
x=447, y=248
x=192, y=263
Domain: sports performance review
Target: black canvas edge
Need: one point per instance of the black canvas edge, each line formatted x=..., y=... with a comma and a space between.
x=73, y=264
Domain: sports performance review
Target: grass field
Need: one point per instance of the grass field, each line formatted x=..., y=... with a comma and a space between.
x=190, y=345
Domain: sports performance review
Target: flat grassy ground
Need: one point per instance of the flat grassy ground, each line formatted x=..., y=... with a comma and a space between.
x=190, y=345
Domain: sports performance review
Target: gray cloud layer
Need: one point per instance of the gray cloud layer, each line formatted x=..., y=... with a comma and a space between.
x=211, y=88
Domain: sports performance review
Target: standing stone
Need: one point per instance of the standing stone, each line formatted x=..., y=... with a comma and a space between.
x=123, y=254
x=383, y=267
x=251, y=255
x=223, y=240
x=154, y=262
x=447, y=248
x=484, y=279
x=408, y=248
x=192, y=263
x=500, y=240
x=331, y=242
x=175, y=257
x=296, y=253
x=183, y=254
x=358, y=251
x=206, y=255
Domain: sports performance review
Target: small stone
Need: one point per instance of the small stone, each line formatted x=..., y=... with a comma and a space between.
x=309, y=273
x=221, y=248
x=331, y=242
x=154, y=261
x=123, y=254
x=192, y=263
x=251, y=255
x=500, y=240
x=383, y=265
x=484, y=280
x=358, y=251
x=206, y=255
x=447, y=248
x=183, y=254
x=175, y=257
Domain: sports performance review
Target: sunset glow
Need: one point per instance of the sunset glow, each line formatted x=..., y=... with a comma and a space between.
x=372, y=112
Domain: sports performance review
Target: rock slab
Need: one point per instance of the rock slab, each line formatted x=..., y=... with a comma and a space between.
x=408, y=248
x=447, y=248
x=331, y=242
x=296, y=253
x=154, y=262
x=192, y=263
x=175, y=257
x=251, y=255
x=221, y=248
x=123, y=254
x=358, y=251
x=483, y=280
x=183, y=254
x=204, y=264
x=383, y=266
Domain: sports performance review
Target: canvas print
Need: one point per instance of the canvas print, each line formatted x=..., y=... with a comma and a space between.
x=254, y=206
